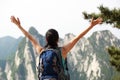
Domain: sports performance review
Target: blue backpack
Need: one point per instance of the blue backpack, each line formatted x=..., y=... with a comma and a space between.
x=52, y=65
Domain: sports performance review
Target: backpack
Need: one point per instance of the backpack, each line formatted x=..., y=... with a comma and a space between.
x=52, y=65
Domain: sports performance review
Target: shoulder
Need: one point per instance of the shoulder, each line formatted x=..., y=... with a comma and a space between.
x=41, y=50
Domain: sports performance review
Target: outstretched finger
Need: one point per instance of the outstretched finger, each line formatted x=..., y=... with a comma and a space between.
x=18, y=20
x=12, y=18
x=92, y=19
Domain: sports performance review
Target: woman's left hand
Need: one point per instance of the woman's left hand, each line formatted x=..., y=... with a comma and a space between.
x=96, y=21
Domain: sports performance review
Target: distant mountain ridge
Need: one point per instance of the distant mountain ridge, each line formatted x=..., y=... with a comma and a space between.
x=8, y=45
x=88, y=60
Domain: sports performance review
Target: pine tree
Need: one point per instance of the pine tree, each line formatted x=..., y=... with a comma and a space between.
x=114, y=57
x=109, y=17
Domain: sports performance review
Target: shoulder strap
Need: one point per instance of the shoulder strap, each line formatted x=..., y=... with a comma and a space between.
x=59, y=54
x=66, y=64
x=63, y=65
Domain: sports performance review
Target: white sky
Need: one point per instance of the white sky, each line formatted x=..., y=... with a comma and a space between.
x=63, y=15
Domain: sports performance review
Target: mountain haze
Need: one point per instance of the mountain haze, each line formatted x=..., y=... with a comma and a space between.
x=88, y=60
x=8, y=45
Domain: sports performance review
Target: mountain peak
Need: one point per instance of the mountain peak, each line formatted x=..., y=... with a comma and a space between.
x=69, y=35
x=32, y=30
x=103, y=34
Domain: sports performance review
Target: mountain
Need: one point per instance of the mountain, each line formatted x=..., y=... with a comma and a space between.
x=24, y=63
x=8, y=45
x=88, y=60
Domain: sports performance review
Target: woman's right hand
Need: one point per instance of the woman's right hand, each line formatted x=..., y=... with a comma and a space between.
x=15, y=20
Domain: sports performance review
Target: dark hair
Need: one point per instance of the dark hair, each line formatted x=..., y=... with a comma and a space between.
x=52, y=37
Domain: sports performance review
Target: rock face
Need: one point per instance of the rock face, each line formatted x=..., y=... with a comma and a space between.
x=88, y=60
x=24, y=63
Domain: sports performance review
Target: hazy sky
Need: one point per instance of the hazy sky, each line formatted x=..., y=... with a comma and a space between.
x=63, y=15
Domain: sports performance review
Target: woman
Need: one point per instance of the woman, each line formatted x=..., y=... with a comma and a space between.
x=52, y=37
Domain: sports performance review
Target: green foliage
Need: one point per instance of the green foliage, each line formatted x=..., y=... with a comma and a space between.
x=33, y=64
x=22, y=72
x=13, y=69
x=114, y=57
x=21, y=48
x=116, y=77
x=89, y=16
x=109, y=16
x=4, y=76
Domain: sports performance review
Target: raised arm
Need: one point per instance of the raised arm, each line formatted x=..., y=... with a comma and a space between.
x=69, y=46
x=28, y=35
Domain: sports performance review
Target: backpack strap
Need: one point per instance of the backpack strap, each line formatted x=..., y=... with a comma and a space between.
x=59, y=54
x=64, y=66
x=61, y=59
x=40, y=65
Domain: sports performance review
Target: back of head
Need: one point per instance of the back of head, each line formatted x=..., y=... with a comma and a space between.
x=52, y=38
